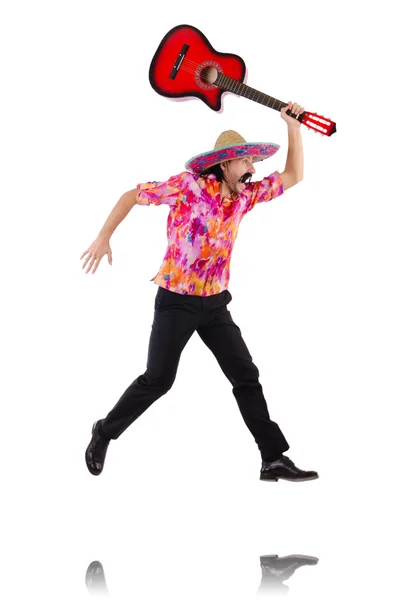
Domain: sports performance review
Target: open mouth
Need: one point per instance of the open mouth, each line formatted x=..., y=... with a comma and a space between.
x=246, y=177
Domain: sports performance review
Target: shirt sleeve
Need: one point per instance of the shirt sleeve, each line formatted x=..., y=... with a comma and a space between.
x=167, y=192
x=262, y=191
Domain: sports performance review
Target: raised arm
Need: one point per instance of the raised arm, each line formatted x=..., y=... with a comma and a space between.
x=101, y=245
x=293, y=172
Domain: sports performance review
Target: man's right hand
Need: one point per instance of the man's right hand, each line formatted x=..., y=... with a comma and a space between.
x=95, y=253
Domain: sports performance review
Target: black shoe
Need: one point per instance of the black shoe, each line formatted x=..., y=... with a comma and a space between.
x=284, y=567
x=284, y=468
x=96, y=450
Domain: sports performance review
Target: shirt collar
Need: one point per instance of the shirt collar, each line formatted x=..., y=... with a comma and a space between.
x=216, y=191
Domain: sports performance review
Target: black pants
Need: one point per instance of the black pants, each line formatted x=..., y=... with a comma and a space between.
x=176, y=318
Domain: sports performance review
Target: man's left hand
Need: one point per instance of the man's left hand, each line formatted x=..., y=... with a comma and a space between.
x=295, y=109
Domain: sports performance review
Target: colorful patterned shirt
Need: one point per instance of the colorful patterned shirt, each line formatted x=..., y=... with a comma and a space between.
x=201, y=229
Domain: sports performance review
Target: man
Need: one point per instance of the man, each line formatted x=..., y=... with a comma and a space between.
x=207, y=203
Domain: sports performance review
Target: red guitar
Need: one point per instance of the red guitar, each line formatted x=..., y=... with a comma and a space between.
x=185, y=65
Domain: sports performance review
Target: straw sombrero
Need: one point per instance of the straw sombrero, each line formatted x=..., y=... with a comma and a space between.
x=230, y=145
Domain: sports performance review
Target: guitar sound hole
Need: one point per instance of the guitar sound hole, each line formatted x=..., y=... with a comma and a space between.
x=208, y=75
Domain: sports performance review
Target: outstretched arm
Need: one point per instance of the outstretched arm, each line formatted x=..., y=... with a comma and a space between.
x=293, y=172
x=118, y=213
x=101, y=245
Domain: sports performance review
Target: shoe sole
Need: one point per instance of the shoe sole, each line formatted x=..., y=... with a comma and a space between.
x=293, y=556
x=88, y=467
x=275, y=479
x=86, y=452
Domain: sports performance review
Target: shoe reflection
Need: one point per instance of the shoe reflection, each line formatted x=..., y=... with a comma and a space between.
x=277, y=569
x=95, y=579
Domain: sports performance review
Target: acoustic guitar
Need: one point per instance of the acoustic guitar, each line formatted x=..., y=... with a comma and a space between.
x=185, y=65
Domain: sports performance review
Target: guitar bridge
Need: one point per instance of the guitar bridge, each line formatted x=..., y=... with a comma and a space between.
x=179, y=61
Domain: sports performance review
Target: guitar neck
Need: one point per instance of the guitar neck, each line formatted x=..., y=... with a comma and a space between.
x=232, y=85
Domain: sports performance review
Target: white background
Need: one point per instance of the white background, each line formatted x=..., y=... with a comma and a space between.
x=179, y=510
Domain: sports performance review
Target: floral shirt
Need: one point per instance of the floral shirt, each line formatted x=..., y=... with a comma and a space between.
x=201, y=229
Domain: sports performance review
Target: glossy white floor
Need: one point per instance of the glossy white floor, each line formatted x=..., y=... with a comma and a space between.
x=179, y=511
x=183, y=514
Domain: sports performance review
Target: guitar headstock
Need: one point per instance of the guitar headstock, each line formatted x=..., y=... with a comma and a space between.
x=318, y=123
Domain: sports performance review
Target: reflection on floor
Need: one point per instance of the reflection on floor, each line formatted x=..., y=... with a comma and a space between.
x=95, y=579
x=275, y=570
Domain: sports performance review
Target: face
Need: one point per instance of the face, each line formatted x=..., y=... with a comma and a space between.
x=238, y=172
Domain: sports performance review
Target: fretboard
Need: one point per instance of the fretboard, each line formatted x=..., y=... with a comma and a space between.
x=231, y=85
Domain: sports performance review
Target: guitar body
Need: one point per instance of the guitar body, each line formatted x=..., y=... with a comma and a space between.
x=200, y=58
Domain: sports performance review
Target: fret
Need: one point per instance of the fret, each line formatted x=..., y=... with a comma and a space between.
x=239, y=88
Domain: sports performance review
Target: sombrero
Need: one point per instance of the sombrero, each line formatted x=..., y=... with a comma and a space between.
x=229, y=145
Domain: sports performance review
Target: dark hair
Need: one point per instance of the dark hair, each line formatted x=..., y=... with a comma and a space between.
x=214, y=170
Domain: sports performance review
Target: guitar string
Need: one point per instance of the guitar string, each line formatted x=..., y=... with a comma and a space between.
x=252, y=94
x=190, y=62
x=236, y=84
x=188, y=65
